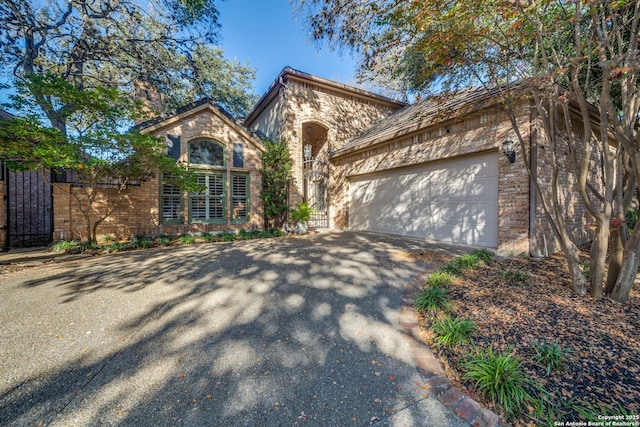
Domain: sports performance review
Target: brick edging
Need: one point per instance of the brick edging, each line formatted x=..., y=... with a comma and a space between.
x=429, y=367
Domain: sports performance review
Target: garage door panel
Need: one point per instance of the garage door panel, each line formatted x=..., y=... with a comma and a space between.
x=455, y=201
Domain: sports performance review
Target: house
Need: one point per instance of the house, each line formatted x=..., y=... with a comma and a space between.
x=434, y=170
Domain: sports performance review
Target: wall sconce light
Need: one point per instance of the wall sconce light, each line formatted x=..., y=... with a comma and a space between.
x=509, y=150
x=306, y=150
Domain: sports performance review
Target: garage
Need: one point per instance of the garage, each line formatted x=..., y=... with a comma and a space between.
x=451, y=201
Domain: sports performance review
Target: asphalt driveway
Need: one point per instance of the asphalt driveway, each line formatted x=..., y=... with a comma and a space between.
x=295, y=331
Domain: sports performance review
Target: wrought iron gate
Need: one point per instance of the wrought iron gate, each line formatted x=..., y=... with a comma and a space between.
x=29, y=209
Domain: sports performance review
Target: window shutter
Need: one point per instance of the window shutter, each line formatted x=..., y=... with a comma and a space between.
x=174, y=146
x=238, y=155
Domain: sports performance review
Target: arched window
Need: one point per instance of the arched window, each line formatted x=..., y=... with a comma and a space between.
x=206, y=152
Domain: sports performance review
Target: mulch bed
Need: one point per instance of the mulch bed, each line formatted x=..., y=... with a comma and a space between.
x=603, y=367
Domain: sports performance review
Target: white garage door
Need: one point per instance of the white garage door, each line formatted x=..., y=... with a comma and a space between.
x=452, y=201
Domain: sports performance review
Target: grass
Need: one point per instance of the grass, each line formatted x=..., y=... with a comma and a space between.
x=440, y=278
x=499, y=377
x=468, y=262
x=516, y=277
x=550, y=355
x=452, y=331
x=431, y=299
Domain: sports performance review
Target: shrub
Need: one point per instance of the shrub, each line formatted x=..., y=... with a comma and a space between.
x=274, y=232
x=65, y=246
x=141, y=242
x=255, y=234
x=452, y=331
x=499, y=377
x=464, y=262
x=164, y=240
x=440, y=278
x=244, y=235
x=516, y=277
x=483, y=255
x=432, y=299
x=116, y=247
x=228, y=236
x=301, y=212
x=89, y=245
x=107, y=239
x=208, y=237
x=550, y=355
x=186, y=239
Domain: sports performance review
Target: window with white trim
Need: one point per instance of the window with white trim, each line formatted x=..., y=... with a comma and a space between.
x=208, y=205
x=170, y=202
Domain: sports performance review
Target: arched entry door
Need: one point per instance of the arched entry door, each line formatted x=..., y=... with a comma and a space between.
x=315, y=172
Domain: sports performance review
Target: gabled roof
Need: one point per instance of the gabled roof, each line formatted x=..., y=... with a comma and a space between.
x=5, y=116
x=193, y=108
x=420, y=115
x=289, y=73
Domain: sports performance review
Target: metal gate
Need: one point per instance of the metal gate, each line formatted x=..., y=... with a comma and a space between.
x=29, y=209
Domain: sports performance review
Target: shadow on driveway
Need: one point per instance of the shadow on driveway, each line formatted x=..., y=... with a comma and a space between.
x=268, y=332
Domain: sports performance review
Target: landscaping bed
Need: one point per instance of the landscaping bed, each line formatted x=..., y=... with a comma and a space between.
x=578, y=358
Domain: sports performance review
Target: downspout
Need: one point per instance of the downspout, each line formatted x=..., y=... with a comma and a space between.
x=533, y=177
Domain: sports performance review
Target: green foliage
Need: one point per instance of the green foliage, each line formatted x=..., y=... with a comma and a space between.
x=141, y=242
x=498, y=377
x=116, y=247
x=89, y=143
x=440, y=278
x=276, y=179
x=631, y=218
x=171, y=45
x=164, y=240
x=464, y=262
x=228, y=236
x=186, y=239
x=516, y=277
x=65, y=246
x=301, y=212
x=483, y=255
x=249, y=234
x=431, y=299
x=450, y=332
x=595, y=413
x=208, y=237
x=550, y=355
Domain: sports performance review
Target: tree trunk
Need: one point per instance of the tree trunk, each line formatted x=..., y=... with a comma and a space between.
x=616, y=256
x=598, y=258
x=629, y=269
x=578, y=281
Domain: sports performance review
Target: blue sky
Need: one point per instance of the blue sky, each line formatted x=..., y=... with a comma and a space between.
x=267, y=35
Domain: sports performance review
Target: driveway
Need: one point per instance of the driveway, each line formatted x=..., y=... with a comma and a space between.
x=294, y=331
